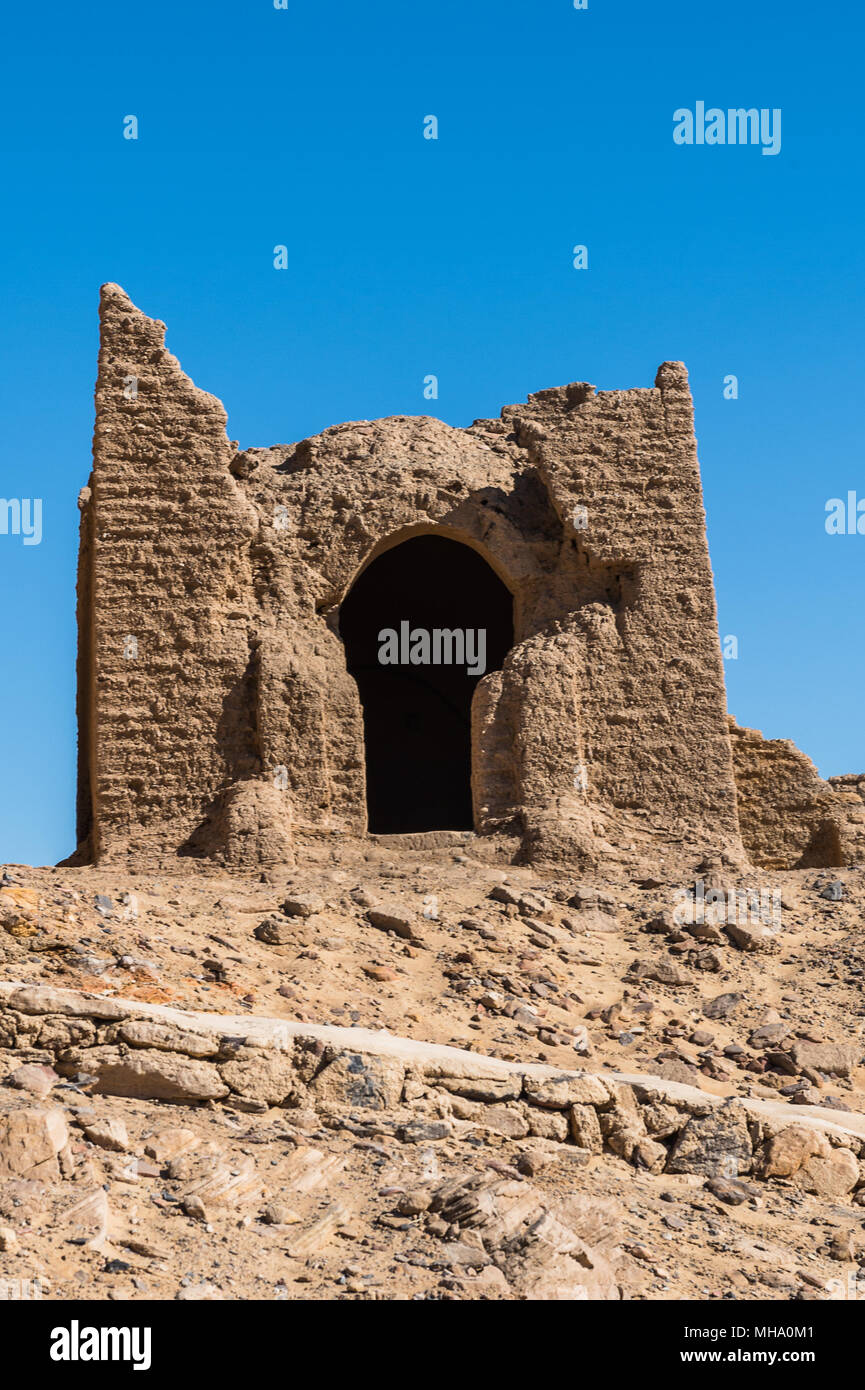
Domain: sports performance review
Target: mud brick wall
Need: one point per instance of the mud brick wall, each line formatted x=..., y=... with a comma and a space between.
x=790, y=818
x=217, y=716
x=653, y=703
x=216, y=713
x=164, y=578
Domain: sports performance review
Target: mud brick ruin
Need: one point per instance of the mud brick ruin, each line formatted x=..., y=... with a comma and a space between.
x=230, y=604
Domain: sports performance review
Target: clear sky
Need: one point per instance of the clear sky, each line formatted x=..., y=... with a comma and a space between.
x=303, y=127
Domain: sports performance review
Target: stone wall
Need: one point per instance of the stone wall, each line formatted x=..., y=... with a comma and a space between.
x=420, y=1092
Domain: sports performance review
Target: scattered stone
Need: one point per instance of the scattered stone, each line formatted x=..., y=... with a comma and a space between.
x=717, y=1144
x=9, y=1242
x=709, y=961
x=586, y=1128
x=38, y=1080
x=382, y=973
x=320, y=1233
x=722, y=1005
x=531, y=1162
x=541, y=1246
x=171, y=1143
x=30, y=1143
x=842, y=1246
x=594, y=920
x=145, y=1169
x=278, y=1214
x=503, y=893
x=276, y=931
x=560, y=1092
x=835, y=1103
x=834, y=1059
x=786, y=1152
x=664, y=971
x=107, y=1134
x=395, y=920
x=223, y=1184
x=407, y=1092
x=88, y=1220
x=731, y=1190
x=308, y=1169
x=420, y=1132
x=832, y=1175
x=200, y=1292
x=677, y=1069
x=302, y=905
x=708, y=932
x=359, y=1081
x=753, y=936
x=414, y=1202
x=781, y=1061
x=769, y=1034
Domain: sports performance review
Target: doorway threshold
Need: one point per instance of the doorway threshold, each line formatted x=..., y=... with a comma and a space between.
x=424, y=839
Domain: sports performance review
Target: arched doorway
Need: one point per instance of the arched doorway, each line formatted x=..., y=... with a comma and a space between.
x=421, y=626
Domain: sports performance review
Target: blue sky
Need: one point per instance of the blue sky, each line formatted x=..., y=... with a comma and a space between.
x=407, y=256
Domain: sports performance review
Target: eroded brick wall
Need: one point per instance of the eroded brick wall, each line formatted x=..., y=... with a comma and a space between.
x=232, y=721
x=790, y=817
x=653, y=703
x=164, y=585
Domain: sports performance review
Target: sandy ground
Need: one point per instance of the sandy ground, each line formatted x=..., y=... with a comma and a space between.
x=593, y=972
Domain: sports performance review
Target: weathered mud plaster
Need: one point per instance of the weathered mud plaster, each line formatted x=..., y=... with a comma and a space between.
x=217, y=717
x=789, y=817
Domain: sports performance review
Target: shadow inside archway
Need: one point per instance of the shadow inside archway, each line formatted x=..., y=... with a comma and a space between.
x=421, y=626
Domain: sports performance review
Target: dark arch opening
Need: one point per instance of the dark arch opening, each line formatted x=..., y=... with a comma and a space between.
x=426, y=599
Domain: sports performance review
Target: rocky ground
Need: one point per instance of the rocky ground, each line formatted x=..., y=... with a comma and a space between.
x=129, y=1196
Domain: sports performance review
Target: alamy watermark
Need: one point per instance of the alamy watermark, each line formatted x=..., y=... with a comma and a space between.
x=20, y=1290
x=851, y=1289
x=735, y=126
x=22, y=517
x=77, y=1343
x=736, y=906
x=846, y=516
x=439, y=646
